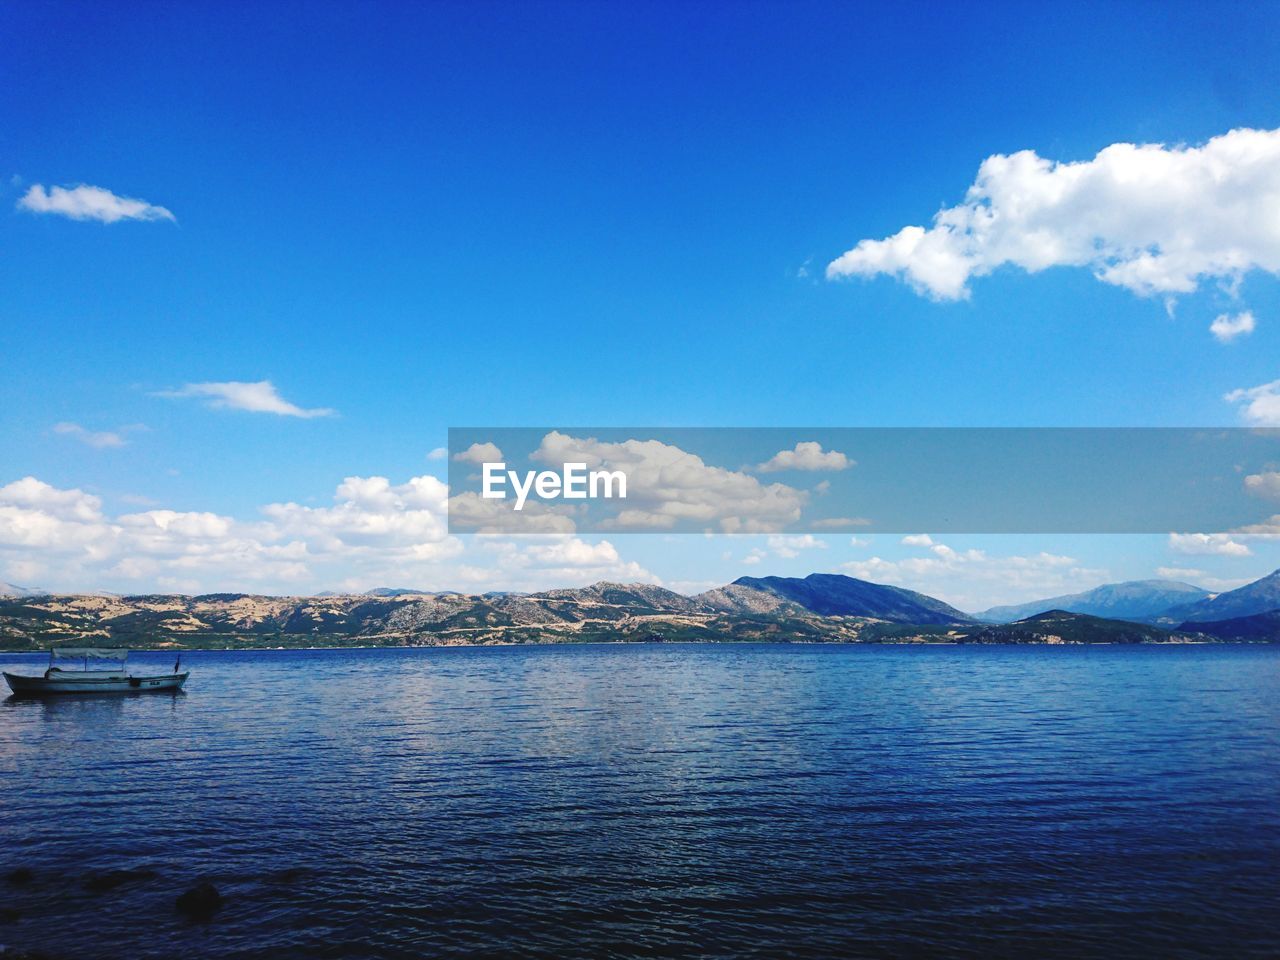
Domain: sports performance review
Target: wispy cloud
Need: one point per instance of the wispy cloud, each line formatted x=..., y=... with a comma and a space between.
x=789, y=547
x=1154, y=219
x=968, y=578
x=98, y=439
x=1179, y=573
x=84, y=202
x=260, y=396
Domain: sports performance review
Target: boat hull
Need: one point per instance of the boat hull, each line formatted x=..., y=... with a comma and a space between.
x=40, y=686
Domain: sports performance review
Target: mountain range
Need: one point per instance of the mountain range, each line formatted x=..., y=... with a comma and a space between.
x=820, y=607
x=1131, y=600
x=13, y=590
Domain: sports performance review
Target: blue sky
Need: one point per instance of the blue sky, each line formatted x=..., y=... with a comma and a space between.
x=430, y=215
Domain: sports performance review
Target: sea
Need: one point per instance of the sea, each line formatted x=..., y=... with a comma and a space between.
x=653, y=800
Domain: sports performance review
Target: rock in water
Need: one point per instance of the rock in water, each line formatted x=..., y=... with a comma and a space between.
x=201, y=902
x=20, y=876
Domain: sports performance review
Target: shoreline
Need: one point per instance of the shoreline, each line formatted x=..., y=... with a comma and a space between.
x=663, y=643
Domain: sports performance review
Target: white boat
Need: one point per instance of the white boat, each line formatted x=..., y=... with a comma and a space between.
x=60, y=679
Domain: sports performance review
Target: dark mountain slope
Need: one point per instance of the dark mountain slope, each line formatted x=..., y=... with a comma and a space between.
x=1257, y=627
x=1261, y=596
x=830, y=594
x=1061, y=626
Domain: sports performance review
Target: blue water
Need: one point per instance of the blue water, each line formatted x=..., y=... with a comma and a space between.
x=646, y=801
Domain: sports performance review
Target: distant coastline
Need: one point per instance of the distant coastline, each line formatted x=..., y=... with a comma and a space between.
x=821, y=608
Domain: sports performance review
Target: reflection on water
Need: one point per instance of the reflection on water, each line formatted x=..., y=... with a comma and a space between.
x=655, y=801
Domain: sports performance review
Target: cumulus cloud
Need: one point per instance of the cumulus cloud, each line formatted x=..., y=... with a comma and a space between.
x=1266, y=484
x=99, y=440
x=259, y=396
x=1151, y=218
x=560, y=561
x=470, y=512
x=1260, y=406
x=918, y=540
x=1227, y=327
x=1207, y=544
x=807, y=455
x=479, y=453
x=667, y=486
x=439, y=453
x=84, y=202
x=373, y=532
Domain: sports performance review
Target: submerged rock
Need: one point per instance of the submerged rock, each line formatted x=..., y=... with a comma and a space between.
x=201, y=902
x=105, y=882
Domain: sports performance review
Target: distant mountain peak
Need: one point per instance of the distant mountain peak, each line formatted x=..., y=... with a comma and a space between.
x=1128, y=600
x=13, y=590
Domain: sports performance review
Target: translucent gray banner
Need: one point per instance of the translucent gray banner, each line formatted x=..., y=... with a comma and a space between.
x=890, y=480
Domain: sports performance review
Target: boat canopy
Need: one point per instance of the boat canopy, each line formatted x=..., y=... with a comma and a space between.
x=90, y=653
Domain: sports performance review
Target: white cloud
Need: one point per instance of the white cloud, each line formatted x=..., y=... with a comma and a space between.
x=1268, y=529
x=807, y=455
x=557, y=561
x=1227, y=327
x=439, y=453
x=859, y=541
x=790, y=546
x=973, y=579
x=918, y=540
x=667, y=486
x=84, y=202
x=474, y=514
x=1154, y=219
x=1207, y=544
x=1261, y=404
x=1179, y=573
x=99, y=440
x=374, y=532
x=1266, y=484
x=32, y=494
x=259, y=396
x=479, y=453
